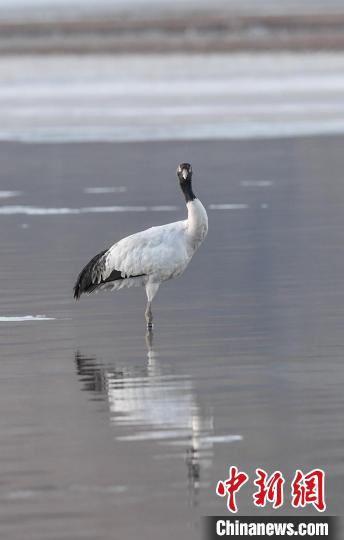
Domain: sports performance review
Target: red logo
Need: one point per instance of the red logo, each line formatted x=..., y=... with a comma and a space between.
x=270, y=489
x=230, y=486
x=305, y=489
x=309, y=489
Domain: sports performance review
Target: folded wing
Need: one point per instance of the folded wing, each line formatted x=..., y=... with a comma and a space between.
x=158, y=251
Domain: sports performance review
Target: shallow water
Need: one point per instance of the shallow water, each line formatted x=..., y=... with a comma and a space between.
x=107, y=434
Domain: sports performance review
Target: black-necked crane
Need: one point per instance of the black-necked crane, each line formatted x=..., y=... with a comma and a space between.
x=149, y=257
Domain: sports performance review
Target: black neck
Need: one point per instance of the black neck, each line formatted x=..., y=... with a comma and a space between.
x=187, y=190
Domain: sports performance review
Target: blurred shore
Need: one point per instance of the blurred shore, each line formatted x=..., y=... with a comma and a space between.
x=217, y=29
x=148, y=70
x=147, y=97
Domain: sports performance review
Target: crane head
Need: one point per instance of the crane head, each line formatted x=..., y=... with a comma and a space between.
x=184, y=172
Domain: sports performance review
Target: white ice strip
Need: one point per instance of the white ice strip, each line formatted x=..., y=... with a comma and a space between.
x=256, y=183
x=60, y=69
x=222, y=438
x=38, y=211
x=199, y=87
x=207, y=131
x=26, y=318
x=105, y=190
x=163, y=208
x=229, y=206
x=40, y=111
x=8, y=194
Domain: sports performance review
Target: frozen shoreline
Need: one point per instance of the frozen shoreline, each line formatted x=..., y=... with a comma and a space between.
x=173, y=97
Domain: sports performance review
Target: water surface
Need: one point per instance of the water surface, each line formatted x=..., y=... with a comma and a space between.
x=107, y=434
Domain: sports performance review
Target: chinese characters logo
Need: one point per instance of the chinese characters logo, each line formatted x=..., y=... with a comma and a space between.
x=305, y=489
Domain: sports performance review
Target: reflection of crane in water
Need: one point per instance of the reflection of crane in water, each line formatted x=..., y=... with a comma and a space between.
x=152, y=404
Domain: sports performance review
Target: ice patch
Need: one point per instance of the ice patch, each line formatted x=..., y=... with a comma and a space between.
x=25, y=318
x=8, y=194
x=256, y=183
x=229, y=206
x=38, y=211
x=222, y=438
x=104, y=190
x=254, y=130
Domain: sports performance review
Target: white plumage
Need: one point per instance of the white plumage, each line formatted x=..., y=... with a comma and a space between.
x=149, y=257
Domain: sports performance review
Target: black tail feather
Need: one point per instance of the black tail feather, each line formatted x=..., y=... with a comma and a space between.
x=85, y=283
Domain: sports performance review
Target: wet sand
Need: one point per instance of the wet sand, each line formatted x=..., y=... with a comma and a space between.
x=103, y=435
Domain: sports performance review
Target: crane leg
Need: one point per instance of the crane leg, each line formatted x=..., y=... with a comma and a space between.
x=149, y=316
x=151, y=290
